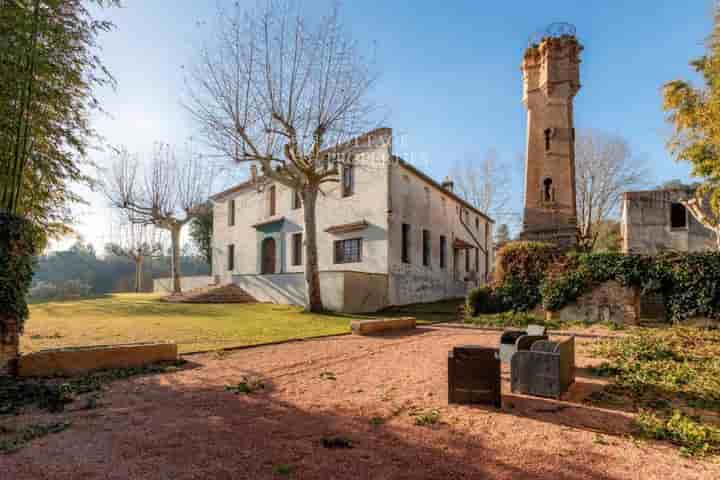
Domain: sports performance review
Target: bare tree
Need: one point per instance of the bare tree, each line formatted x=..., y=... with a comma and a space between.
x=167, y=193
x=485, y=184
x=135, y=241
x=282, y=91
x=604, y=168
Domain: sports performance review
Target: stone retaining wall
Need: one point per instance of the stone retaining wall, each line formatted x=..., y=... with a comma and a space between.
x=608, y=302
x=76, y=361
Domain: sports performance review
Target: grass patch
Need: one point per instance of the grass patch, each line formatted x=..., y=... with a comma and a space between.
x=53, y=394
x=246, y=387
x=22, y=437
x=672, y=377
x=129, y=318
x=282, y=469
x=522, y=320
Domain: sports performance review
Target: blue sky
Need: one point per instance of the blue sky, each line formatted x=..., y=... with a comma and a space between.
x=449, y=75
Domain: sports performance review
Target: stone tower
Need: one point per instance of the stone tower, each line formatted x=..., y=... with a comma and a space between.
x=551, y=78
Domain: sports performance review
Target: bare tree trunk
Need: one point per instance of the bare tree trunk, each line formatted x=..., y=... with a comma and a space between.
x=313, y=298
x=138, y=273
x=175, y=237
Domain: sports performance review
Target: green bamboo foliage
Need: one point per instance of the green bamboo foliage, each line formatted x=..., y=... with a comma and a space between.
x=48, y=70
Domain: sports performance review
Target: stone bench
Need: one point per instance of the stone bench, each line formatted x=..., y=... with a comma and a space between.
x=80, y=360
x=370, y=327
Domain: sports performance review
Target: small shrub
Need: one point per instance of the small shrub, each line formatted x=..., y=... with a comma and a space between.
x=328, y=376
x=246, y=386
x=428, y=418
x=375, y=421
x=283, y=469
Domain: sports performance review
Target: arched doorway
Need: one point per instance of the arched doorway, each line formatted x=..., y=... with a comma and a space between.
x=268, y=256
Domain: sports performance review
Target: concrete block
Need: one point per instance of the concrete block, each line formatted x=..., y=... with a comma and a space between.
x=77, y=361
x=370, y=327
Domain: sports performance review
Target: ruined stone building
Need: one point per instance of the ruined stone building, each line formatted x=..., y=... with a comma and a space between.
x=655, y=220
x=551, y=79
x=388, y=234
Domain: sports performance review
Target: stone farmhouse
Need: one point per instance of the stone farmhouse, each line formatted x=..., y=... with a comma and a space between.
x=388, y=234
x=655, y=220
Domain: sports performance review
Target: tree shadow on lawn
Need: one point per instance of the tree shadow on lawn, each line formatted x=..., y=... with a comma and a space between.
x=168, y=427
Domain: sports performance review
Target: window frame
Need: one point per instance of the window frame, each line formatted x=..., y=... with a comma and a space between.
x=230, y=257
x=443, y=252
x=296, y=202
x=348, y=179
x=405, y=243
x=339, y=251
x=673, y=206
x=296, y=255
x=231, y=212
x=426, y=246
x=272, y=201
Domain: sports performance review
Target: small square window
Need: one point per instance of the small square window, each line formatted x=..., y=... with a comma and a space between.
x=678, y=215
x=348, y=251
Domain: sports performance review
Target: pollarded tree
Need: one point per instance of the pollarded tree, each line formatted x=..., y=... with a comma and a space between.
x=135, y=241
x=167, y=193
x=281, y=91
x=694, y=113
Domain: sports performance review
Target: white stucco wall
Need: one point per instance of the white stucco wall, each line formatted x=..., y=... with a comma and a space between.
x=368, y=202
x=424, y=206
x=387, y=194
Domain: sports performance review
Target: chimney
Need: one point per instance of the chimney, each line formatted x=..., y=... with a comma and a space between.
x=448, y=184
x=253, y=173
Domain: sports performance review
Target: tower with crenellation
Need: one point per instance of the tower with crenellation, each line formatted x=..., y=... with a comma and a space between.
x=551, y=79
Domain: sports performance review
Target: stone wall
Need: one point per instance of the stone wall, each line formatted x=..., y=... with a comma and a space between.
x=646, y=227
x=608, y=302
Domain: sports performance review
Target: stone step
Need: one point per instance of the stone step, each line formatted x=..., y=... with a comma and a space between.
x=223, y=294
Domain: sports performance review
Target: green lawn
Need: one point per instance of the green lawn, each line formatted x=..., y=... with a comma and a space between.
x=126, y=318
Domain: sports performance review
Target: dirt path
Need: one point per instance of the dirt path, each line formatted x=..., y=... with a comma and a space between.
x=185, y=425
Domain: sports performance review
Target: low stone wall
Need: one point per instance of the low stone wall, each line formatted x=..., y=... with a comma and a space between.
x=370, y=327
x=76, y=361
x=164, y=285
x=608, y=302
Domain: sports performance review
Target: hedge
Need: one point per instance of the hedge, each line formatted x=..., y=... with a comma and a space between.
x=532, y=274
x=18, y=245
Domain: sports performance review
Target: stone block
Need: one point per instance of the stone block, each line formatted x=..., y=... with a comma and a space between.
x=380, y=325
x=77, y=361
x=607, y=302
